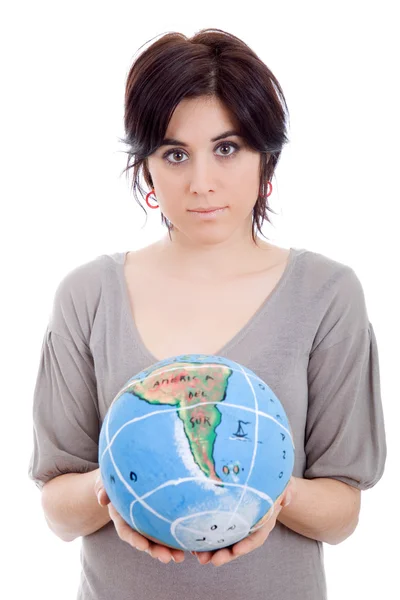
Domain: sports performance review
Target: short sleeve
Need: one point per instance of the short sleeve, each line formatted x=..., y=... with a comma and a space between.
x=345, y=433
x=65, y=411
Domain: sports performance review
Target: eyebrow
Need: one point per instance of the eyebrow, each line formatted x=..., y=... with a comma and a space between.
x=174, y=142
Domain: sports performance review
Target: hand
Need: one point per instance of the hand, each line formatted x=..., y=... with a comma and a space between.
x=132, y=537
x=252, y=541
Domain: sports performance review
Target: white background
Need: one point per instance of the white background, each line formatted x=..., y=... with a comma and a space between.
x=64, y=202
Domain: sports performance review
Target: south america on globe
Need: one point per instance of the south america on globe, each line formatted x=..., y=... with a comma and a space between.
x=195, y=451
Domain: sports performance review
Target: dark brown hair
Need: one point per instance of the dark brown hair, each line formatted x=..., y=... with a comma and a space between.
x=211, y=63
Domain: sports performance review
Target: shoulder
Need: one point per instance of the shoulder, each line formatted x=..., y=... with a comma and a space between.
x=78, y=295
x=334, y=295
x=326, y=275
x=86, y=278
x=322, y=265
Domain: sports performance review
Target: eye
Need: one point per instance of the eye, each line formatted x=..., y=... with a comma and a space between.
x=177, y=151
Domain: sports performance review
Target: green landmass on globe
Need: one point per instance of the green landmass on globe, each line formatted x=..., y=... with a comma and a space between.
x=190, y=387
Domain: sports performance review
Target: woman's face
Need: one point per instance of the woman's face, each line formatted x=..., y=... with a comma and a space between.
x=190, y=171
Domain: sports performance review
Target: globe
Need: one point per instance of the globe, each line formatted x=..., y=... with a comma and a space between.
x=195, y=452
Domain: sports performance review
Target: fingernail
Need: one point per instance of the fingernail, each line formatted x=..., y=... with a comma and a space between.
x=98, y=498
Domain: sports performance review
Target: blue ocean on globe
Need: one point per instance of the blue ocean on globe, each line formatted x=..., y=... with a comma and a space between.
x=194, y=451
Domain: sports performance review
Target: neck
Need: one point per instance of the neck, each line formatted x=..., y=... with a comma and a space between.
x=217, y=261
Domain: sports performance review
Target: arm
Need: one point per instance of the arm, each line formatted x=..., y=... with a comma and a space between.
x=70, y=505
x=323, y=509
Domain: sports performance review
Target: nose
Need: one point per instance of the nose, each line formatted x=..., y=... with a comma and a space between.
x=201, y=175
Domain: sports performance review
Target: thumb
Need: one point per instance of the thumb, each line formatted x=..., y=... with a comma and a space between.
x=100, y=492
x=286, y=499
x=289, y=492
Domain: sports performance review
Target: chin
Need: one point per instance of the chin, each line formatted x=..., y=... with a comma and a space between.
x=209, y=234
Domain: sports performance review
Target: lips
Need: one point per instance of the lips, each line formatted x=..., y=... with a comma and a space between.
x=208, y=209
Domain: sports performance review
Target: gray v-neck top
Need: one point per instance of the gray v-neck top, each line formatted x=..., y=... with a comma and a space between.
x=311, y=341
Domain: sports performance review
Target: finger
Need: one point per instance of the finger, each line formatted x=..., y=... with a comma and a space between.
x=257, y=538
x=291, y=487
x=253, y=541
x=223, y=556
x=283, y=500
x=178, y=555
x=204, y=557
x=126, y=533
x=159, y=552
x=268, y=522
x=166, y=554
x=100, y=492
x=102, y=497
x=286, y=499
x=140, y=542
x=217, y=558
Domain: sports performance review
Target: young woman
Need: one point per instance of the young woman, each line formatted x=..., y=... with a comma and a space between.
x=205, y=124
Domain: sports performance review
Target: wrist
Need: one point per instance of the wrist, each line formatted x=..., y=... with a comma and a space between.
x=322, y=509
x=71, y=507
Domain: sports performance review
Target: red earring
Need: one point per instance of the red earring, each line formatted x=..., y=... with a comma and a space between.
x=147, y=199
x=270, y=191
